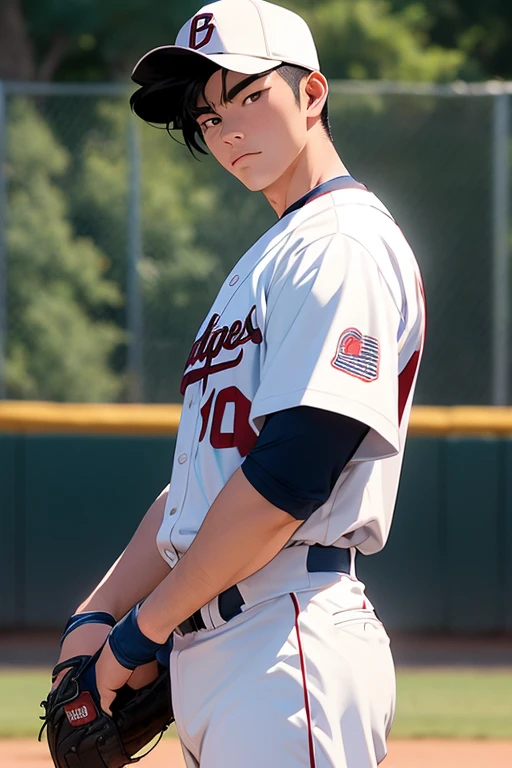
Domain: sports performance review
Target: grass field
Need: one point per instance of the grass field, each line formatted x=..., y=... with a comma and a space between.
x=455, y=704
x=462, y=703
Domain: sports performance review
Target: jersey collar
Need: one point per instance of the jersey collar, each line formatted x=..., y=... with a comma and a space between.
x=340, y=182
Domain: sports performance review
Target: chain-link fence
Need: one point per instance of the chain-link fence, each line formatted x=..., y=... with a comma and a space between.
x=114, y=240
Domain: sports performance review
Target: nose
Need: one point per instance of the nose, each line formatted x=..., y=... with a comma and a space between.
x=231, y=135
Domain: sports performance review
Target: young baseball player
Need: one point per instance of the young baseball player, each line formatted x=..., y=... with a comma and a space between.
x=296, y=400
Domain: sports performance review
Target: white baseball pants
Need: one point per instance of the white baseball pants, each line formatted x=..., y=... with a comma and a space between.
x=295, y=682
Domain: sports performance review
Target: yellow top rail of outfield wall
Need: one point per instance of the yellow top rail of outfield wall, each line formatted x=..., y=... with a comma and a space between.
x=89, y=418
x=17, y=416
x=479, y=421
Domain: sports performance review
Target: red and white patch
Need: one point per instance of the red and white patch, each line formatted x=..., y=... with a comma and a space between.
x=358, y=355
x=82, y=710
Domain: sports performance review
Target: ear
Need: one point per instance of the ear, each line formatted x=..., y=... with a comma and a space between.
x=316, y=89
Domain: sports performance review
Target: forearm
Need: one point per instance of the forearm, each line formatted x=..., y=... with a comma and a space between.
x=133, y=576
x=136, y=572
x=241, y=533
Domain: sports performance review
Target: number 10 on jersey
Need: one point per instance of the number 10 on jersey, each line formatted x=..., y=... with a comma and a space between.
x=235, y=433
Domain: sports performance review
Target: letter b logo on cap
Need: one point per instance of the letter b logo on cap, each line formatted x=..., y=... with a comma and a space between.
x=201, y=25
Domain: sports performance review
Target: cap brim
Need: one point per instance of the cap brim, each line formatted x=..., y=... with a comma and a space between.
x=161, y=63
x=170, y=68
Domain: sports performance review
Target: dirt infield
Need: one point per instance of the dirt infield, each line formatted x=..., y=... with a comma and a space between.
x=402, y=754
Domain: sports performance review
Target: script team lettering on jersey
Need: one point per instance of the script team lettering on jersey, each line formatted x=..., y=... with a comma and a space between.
x=209, y=346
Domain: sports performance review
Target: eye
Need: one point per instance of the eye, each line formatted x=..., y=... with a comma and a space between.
x=210, y=123
x=252, y=97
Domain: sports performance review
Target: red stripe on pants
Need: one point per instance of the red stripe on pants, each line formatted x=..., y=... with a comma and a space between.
x=312, y=760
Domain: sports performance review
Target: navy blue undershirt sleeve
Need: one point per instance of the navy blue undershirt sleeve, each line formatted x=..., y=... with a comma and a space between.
x=299, y=456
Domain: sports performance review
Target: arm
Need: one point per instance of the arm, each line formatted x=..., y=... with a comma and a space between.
x=290, y=472
x=288, y=475
x=138, y=570
x=241, y=533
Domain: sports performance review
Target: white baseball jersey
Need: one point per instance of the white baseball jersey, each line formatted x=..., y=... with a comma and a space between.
x=325, y=310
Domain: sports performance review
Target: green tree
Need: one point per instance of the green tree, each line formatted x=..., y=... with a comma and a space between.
x=91, y=40
x=180, y=271
x=83, y=39
x=483, y=31
x=58, y=345
x=360, y=39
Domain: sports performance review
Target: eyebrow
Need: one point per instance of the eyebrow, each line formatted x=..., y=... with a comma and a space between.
x=232, y=93
x=236, y=89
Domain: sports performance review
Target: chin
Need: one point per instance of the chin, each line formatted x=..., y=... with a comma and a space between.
x=253, y=186
x=258, y=182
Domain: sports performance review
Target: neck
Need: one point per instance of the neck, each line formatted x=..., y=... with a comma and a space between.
x=316, y=163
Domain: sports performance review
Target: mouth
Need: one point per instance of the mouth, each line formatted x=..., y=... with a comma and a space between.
x=240, y=157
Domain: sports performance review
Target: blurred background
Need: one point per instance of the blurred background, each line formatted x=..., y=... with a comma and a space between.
x=113, y=244
x=114, y=240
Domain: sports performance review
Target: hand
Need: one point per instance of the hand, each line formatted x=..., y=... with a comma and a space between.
x=144, y=675
x=85, y=640
x=110, y=676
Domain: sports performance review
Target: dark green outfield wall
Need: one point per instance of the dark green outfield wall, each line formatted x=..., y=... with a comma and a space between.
x=448, y=562
x=69, y=504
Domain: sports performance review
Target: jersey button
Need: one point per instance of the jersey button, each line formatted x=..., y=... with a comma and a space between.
x=182, y=458
x=173, y=511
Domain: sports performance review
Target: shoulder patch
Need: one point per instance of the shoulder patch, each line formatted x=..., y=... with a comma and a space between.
x=358, y=355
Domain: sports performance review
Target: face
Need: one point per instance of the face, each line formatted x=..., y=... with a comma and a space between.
x=259, y=133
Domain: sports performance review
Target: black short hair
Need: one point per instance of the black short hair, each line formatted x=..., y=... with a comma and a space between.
x=173, y=103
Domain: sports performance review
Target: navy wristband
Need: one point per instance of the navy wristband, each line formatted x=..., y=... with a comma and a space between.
x=88, y=617
x=129, y=645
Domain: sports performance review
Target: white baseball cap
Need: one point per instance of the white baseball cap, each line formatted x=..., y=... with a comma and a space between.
x=246, y=36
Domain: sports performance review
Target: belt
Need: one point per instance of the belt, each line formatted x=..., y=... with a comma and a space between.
x=230, y=602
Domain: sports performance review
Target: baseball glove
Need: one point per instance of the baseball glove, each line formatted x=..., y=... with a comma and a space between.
x=81, y=735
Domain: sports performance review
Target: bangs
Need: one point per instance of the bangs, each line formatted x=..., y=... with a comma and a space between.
x=171, y=104
x=189, y=114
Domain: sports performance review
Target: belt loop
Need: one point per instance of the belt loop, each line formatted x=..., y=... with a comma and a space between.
x=206, y=614
x=353, y=555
